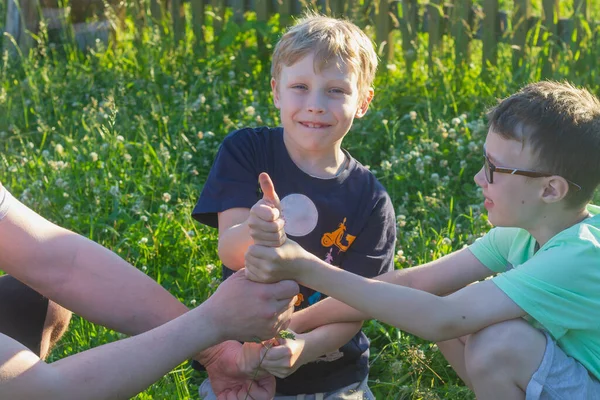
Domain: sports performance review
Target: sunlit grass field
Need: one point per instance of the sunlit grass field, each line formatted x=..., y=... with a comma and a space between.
x=116, y=144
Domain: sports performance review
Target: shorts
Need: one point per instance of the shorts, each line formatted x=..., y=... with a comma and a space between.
x=355, y=391
x=560, y=377
x=22, y=313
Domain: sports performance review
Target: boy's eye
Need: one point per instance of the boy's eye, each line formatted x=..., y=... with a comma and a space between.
x=337, y=91
x=299, y=86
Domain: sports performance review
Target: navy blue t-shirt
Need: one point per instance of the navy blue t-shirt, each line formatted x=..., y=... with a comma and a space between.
x=353, y=228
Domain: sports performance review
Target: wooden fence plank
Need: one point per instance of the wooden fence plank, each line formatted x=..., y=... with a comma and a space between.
x=238, y=10
x=434, y=24
x=409, y=28
x=178, y=20
x=520, y=23
x=263, y=8
x=286, y=11
x=336, y=8
x=550, y=23
x=383, y=30
x=490, y=34
x=156, y=10
x=461, y=30
x=198, y=10
x=22, y=17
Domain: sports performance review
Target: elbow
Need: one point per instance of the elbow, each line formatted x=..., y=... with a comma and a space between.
x=229, y=258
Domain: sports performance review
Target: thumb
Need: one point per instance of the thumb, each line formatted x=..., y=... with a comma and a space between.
x=268, y=189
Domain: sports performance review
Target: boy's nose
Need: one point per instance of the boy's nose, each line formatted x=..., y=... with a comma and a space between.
x=315, y=105
x=480, y=178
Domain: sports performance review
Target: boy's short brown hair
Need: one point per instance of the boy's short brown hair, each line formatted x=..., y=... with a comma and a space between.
x=561, y=124
x=329, y=38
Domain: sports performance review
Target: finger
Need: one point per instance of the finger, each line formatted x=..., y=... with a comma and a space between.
x=268, y=189
x=265, y=211
x=285, y=290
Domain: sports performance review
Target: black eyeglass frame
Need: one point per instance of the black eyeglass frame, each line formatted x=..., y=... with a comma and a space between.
x=489, y=168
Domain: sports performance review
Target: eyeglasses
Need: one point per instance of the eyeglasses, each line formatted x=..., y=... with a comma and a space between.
x=489, y=168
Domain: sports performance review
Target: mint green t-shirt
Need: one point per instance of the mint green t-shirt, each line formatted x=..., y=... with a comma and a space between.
x=558, y=286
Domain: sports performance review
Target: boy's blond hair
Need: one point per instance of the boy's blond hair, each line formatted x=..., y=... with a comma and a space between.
x=331, y=40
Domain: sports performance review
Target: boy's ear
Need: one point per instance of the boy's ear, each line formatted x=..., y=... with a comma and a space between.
x=555, y=190
x=364, y=106
x=275, y=93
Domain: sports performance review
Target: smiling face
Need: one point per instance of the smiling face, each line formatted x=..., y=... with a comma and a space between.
x=317, y=108
x=512, y=200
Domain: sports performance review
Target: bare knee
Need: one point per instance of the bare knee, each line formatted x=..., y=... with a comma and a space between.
x=55, y=325
x=503, y=346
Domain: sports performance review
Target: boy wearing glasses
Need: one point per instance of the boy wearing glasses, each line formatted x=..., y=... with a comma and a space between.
x=531, y=331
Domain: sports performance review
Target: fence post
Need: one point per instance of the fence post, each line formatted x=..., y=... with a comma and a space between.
x=409, y=28
x=435, y=11
x=263, y=12
x=520, y=24
x=490, y=35
x=335, y=8
x=156, y=11
x=21, y=19
x=383, y=31
x=550, y=23
x=178, y=19
x=198, y=8
x=461, y=30
x=285, y=12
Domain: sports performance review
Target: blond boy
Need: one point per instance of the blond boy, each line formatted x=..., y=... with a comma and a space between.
x=322, y=73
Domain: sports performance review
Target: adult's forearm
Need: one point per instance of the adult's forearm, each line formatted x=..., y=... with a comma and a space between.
x=116, y=370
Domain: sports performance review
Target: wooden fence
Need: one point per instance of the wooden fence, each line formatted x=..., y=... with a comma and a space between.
x=458, y=19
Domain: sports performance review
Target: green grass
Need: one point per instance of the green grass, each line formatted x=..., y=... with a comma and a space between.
x=116, y=145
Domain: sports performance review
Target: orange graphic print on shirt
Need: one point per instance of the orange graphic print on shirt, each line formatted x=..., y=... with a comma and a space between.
x=337, y=238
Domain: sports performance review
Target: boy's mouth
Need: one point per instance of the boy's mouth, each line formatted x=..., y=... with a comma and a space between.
x=487, y=203
x=313, y=125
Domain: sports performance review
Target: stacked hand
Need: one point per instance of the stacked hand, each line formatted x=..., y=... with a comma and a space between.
x=272, y=259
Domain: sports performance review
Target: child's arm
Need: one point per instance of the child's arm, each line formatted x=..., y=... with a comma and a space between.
x=445, y=275
x=426, y=315
x=241, y=227
x=284, y=359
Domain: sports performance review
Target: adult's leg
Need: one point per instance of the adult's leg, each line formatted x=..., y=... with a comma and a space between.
x=29, y=317
x=501, y=359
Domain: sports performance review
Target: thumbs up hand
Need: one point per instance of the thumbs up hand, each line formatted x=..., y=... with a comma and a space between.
x=265, y=223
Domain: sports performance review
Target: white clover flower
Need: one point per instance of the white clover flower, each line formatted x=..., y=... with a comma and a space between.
x=455, y=121
x=463, y=164
x=250, y=111
x=191, y=233
x=143, y=240
x=94, y=156
x=384, y=122
x=446, y=241
x=386, y=165
x=472, y=146
x=30, y=145
x=443, y=163
x=166, y=197
x=45, y=153
x=68, y=209
x=114, y=190
x=59, y=149
x=143, y=218
x=193, y=302
x=210, y=267
x=210, y=134
x=120, y=138
x=144, y=268
x=127, y=157
x=412, y=115
x=391, y=67
x=435, y=177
